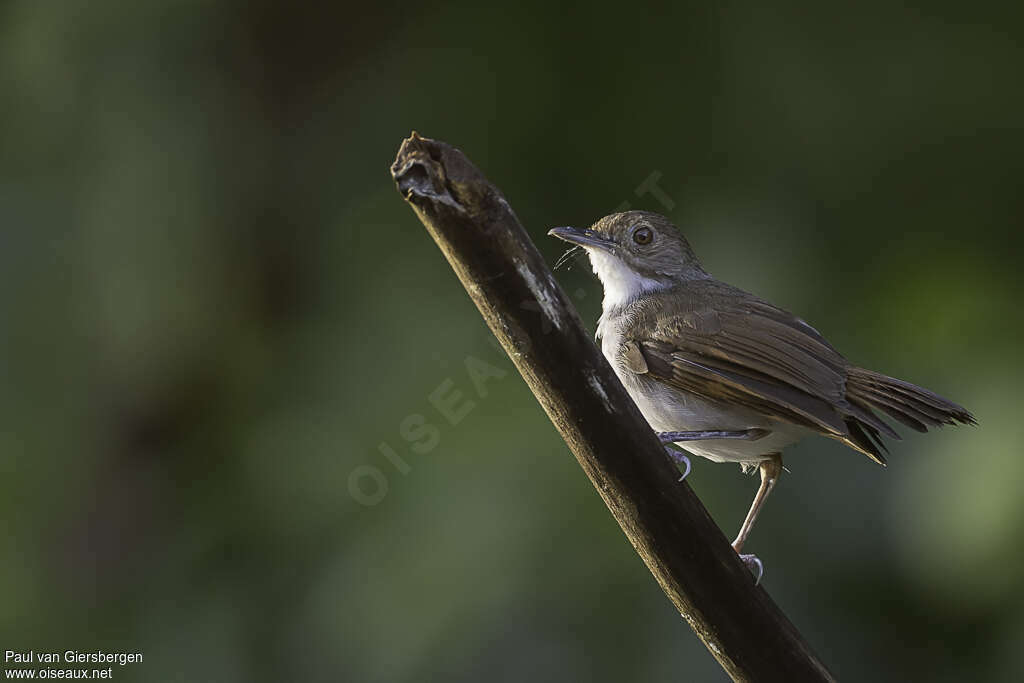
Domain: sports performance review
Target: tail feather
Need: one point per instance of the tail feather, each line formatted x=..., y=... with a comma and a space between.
x=894, y=410
x=911, y=405
x=896, y=398
x=866, y=439
x=861, y=412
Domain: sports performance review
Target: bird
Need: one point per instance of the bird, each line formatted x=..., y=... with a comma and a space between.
x=726, y=375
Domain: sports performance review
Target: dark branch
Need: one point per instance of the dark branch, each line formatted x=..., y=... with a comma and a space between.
x=516, y=292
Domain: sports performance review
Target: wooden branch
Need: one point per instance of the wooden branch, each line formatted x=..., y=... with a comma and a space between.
x=529, y=313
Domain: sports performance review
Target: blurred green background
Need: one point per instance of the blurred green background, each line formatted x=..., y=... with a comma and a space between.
x=215, y=308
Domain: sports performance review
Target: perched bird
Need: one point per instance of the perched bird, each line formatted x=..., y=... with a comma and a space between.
x=726, y=375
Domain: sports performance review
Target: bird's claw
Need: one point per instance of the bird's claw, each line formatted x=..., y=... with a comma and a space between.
x=755, y=566
x=680, y=459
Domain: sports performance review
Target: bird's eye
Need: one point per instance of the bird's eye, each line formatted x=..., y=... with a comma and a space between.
x=643, y=235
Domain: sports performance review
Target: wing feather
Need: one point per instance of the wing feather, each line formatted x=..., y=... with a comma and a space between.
x=736, y=348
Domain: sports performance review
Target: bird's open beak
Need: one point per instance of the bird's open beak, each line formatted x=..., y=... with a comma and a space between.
x=584, y=237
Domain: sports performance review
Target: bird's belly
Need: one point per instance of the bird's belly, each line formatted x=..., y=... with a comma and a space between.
x=671, y=410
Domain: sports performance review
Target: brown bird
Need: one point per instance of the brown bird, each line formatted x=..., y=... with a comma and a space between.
x=726, y=375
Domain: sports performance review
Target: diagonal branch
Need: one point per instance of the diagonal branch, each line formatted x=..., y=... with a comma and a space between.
x=522, y=303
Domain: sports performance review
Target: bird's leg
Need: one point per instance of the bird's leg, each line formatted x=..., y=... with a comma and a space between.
x=681, y=459
x=770, y=471
x=746, y=435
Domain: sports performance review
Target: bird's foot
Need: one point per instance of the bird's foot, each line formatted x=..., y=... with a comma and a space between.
x=679, y=458
x=755, y=566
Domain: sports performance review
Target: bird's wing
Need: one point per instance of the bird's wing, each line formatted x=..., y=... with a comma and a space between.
x=750, y=353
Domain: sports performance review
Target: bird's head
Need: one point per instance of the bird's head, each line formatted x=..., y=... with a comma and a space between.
x=633, y=253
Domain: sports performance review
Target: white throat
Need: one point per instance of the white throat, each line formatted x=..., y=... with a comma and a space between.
x=621, y=284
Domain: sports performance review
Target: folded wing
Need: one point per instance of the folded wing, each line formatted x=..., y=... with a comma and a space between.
x=756, y=355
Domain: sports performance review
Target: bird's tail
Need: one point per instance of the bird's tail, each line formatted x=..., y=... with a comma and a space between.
x=912, y=405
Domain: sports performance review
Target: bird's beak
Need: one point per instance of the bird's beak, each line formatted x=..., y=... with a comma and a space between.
x=584, y=237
